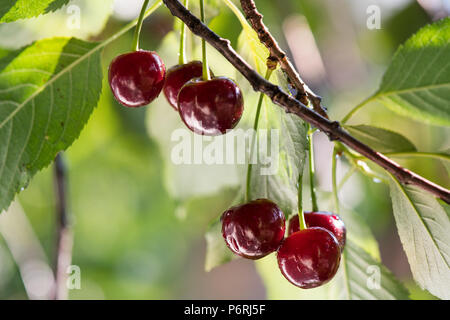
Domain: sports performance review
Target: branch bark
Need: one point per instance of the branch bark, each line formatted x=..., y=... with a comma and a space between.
x=304, y=93
x=64, y=241
x=291, y=105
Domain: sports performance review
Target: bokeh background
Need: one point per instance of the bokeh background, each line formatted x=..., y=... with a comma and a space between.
x=138, y=220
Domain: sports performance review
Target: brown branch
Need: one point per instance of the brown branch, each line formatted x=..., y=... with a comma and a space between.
x=64, y=241
x=304, y=93
x=291, y=105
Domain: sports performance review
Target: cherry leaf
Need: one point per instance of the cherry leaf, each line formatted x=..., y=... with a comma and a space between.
x=12, y=10
x=47, y=93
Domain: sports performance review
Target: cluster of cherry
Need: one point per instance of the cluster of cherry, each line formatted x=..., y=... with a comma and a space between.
x=308, y=257
x=207, y=106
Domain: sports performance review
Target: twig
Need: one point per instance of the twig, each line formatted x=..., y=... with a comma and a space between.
x=291, y=105
x=304, y=93
x=64, y=242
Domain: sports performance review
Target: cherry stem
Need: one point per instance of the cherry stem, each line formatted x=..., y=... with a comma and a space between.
x=312, y=169
x=206, y=75
x=301, y=215
x=137, y=31
x=334, y=180
x=182, y=51
x=255, y=128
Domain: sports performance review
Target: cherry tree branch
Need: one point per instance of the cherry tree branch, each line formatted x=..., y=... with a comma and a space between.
x=64, y=241
x=304, y=93
x=290, y=105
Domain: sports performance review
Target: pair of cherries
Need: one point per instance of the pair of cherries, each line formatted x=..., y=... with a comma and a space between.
x=207, y=107
x=307, y=258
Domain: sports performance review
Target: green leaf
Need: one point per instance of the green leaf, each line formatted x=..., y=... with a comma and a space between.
x=359, y=232
x=364, y=278
x=417, y=83
x=423, y=226
x=382, y=140
x=47, y=93
x=288, y=134
x=12, y=10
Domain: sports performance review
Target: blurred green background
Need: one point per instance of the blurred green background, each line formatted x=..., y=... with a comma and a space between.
x=139, y=221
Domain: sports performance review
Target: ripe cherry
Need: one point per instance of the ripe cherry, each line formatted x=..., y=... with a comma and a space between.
x=177, y=76
x=253, y=230
x=210, y=107
x=136, y=78
x=326, y=220
x=309, y=258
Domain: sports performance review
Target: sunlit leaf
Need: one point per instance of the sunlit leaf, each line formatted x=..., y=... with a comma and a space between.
x=423, y=226
x=417, y=83
x=277, y=179
x=382, y=140
x=363, y=278
x=12, y=10
x=47, y=93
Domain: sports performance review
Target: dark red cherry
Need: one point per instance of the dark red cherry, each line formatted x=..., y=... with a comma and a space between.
x=136, y=78
x=253, y=230
x=327, y=220
x=210, y=107
x=309, y=258
x=177, y=76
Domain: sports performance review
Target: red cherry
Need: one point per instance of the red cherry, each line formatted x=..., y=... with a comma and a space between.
x=309, y=258
x=210, y=107
x=326, y=220
x=177, y=76
x=253, y=230
x=136, y=78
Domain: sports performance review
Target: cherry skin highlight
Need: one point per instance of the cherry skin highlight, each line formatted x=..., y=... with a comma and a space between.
x=136, y=78
x=326, y=220
x=253, y=230
x=309, y=258
x=210, y=107
x=177, y=76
